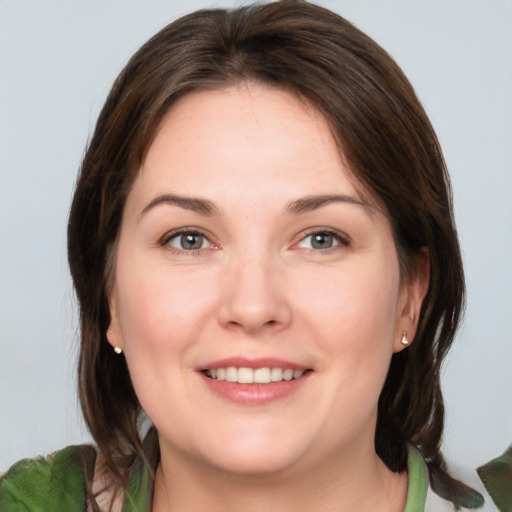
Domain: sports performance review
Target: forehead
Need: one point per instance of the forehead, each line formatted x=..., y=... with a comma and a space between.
x=245, y=137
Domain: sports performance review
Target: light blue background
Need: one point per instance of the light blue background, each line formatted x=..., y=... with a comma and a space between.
x=57, y=62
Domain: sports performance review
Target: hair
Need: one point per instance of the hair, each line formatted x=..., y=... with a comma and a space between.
x=383, y=133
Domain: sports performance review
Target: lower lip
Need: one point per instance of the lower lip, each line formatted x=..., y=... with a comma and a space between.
x=254, y=394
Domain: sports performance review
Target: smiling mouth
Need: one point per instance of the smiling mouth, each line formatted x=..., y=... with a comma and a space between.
x=244, y=375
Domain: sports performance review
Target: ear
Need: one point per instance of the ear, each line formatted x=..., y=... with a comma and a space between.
x=114, y=333
x=411, y=299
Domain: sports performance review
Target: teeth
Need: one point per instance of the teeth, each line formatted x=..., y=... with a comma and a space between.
x=231, y=374
x=250, y=376
x=246, y=376
x=276, y=374
x=261, y=375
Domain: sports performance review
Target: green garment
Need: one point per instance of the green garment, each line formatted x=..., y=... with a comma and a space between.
x=49, y=484
x=497, y=478
x=58, y=483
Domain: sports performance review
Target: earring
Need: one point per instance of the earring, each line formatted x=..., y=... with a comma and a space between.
x=405, y=341
x=117, y=350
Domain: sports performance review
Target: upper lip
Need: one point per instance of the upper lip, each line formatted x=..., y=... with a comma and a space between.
x=254, y=363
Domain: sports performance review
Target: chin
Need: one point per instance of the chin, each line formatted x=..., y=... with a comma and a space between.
x=255, y=462
x=244, y=450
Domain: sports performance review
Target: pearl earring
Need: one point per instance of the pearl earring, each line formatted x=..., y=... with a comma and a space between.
x=117, y=350
x=405, y=341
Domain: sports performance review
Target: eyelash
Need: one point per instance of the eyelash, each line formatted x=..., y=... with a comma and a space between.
x=341, y=239
x=164, y=241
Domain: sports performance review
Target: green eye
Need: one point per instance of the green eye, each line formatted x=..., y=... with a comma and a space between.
x=322, y=240
x=188, y=241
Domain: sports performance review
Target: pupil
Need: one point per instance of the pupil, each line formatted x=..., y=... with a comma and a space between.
x=191, y=242
x=321, y=241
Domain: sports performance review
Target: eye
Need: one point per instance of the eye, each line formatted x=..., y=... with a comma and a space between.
x=188, y=241
x=322, y=240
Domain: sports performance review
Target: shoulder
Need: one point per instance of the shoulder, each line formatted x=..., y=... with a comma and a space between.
x=53, y=483
x=487, y=489
x=465, y=493
x=496, y=475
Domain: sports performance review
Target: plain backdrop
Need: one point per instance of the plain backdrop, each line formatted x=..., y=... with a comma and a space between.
x=57, y=62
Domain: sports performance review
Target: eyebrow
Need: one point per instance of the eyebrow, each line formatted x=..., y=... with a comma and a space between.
x=310, y=203
x=195, y=204
x=301, y=205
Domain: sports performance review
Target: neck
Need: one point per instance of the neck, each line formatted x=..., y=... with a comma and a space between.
x=349, y=481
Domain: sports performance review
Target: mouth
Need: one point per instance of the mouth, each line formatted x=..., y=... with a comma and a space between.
x=244, y=375
x=254, y=381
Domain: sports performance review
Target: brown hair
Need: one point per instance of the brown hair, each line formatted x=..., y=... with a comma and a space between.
x=383, y=133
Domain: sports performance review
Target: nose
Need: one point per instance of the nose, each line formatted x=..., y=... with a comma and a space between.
x=254, y=297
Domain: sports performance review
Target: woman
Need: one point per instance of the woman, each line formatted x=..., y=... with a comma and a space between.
x=263, y=248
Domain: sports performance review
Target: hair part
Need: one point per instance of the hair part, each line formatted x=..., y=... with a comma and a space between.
x=383, y=134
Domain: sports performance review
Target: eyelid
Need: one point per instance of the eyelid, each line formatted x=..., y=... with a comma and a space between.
x=164, y=240
x=340, y=236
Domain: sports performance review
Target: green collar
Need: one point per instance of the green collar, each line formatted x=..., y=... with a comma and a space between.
x=418, y=481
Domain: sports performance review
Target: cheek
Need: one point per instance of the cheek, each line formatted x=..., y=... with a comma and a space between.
x=349, y=315
x=159, y=318
x=156, y=314
x=359, y=300
x=352, y=319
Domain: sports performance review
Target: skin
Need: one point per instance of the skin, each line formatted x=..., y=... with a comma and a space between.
x=258, y=287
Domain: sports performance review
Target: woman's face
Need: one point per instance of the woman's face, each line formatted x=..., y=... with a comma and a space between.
x=246, y=252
